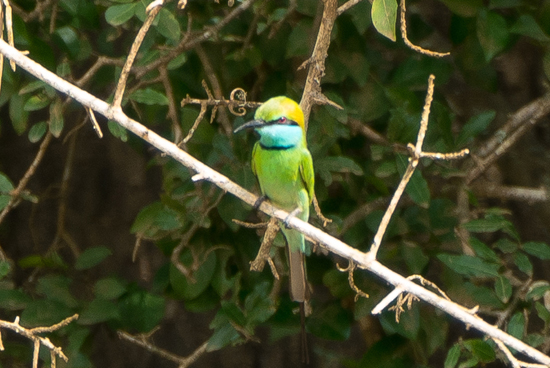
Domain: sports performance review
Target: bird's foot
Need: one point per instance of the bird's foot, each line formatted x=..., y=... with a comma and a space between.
x=259, y=201
x=296, y=211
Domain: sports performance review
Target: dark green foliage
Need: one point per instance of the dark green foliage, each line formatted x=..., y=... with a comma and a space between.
x=62, y=269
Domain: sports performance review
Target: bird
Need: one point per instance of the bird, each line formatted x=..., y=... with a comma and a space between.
x=283, y=166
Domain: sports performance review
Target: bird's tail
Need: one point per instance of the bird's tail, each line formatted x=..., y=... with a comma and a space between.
x=299, y=288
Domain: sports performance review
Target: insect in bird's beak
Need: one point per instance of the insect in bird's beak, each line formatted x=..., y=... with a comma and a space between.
x=251, y=124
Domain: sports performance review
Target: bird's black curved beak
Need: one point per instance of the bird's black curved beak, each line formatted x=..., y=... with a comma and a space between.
x=251, y=124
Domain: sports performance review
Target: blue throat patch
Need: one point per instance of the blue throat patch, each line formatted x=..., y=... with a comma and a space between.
x=278, y=137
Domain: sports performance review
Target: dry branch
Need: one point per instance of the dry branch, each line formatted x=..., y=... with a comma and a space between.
x=312, y=90
x=32, y=334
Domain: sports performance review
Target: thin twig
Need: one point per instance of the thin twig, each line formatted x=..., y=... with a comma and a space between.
x=216, y=86
x=316, y=63
x=181, y=361
x=264, y=253
x=187, y=44
x=15, y=194
x=523, y=194
x=347, y=5
x=31, y=334
x=409, y=43
x=121, y=85
x=172, y=111
x=517, y=125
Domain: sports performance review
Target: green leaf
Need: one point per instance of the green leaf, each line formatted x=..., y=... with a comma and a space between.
x=19, y=117
x=259, y=307
x=177, y=61
x=516, y=325
x=414, y=257
x=4, y=269
x=469, y=266
x=408, y=326
x=37, y=131
x=483, y=251
x=6, y=186
x=109, y=288
x=297, y=44
x=492, y=33
x=149, y=96
x=417, y=188
x=141, y=311
x=475, y=125
x=384, y=17
x=542, y=312
x=92, y=257
x=44, y=312
x=223, y=336
x=187, y=288
x=120, y=14
x=153, y=218
x=234, y=313
x=69, y=40
x=537, y=249
x=331, y=323
x=56, y=118
x=537, y=290
x=464, y=8
x=99, y=310
x=36, y=102
x=385, y=169
x=535, y=340
x=117, y=130
x=57, y=288
x=486, y=225
x=168, y=25
x=506, y=245
x=503, y=289
x=360, y=16
x=452, y=356
x=13, y=299
x=335, y=281
x=481, y=350
x=523, y=263
x=526, y=25
x=32, y=86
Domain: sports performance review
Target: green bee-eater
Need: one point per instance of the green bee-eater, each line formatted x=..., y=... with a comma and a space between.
x=282, y=163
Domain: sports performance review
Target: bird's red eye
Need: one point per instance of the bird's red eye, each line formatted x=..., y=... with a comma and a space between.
x=282, y=119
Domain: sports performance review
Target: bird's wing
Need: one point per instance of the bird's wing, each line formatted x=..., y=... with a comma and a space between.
x=254, y=158
x=306, y=171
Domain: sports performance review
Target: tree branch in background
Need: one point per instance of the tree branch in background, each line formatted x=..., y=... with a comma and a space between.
x=16, y=193
x=216, y=86
x=152, y=11
x=32, y=334
x=183, y=362
x=312, y=94
x=188, y=43
x=409, y=43
x=517, y=125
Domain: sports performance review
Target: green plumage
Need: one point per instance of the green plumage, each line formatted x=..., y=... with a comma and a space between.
x=282, y=163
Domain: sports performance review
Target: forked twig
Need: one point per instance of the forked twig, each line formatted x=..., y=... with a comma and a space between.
x=32, y=334
x=416, y=154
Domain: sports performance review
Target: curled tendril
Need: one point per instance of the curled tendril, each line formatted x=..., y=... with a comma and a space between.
x=238, y=97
